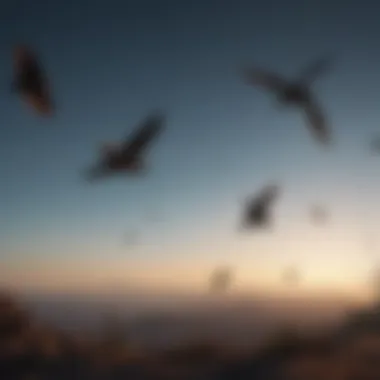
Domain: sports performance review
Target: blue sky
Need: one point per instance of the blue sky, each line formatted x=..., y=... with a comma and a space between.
x=112, y=62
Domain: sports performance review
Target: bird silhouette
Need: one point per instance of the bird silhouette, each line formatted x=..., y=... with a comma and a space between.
x=258, y=209
x=296, y=92
x=291, y=275
x=30, y=81
x=220, y=279
x=318, y=214
x=128, y=157
x=132, y=237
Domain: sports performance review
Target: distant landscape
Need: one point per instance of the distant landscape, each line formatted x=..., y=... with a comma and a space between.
x=183, y=344
x=158, y=321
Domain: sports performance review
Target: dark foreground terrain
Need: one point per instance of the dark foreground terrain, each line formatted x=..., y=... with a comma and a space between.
x=30, y=350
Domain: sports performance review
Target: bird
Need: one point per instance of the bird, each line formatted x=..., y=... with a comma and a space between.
x=318, y=214
x=296, y=92
x=128, y=157
x=257, y=211
x=30, y=81
x=220, y=279
x=132, y=237
x=291, y=276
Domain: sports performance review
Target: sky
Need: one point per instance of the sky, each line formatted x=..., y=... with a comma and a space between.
x=111, y=63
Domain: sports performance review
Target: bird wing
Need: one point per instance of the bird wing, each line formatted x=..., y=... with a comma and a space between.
x=27, y=66
x=261, y=203
x=22, y=57
x=314, y=69
x=317, y=122
x=41, y=105
x=140, y=139
x=37, y=81
x=268, y=194
x=264, y=78
x=107, y=148
x=32, y=83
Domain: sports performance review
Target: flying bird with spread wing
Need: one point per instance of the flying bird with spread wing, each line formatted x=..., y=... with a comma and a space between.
x=128, y=157
x=30, y=81
x=258, y=208
x=296, y=92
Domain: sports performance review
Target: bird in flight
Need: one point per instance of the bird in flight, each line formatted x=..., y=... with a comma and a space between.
x=258, y=209
x=132, y=237
x=318, y=214
x=128, y=157
x=220, y=280
x=30, y=81
x=296, y=92
x=291, y=276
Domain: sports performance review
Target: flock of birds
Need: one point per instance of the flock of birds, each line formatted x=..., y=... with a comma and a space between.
x=128, y=157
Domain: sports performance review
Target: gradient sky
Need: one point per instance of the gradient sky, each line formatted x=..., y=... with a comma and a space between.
x=111, y=62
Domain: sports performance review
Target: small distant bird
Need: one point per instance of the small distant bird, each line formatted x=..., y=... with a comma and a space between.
x=132, y=237
x=30, y=81
x=220, y=280
x=296, y=92
x=258, y=209
x=291, y=276
x=153, y=214
x=318, y=214
x=129, y=156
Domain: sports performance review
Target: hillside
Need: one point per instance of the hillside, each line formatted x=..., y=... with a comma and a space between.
x=31, y=350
